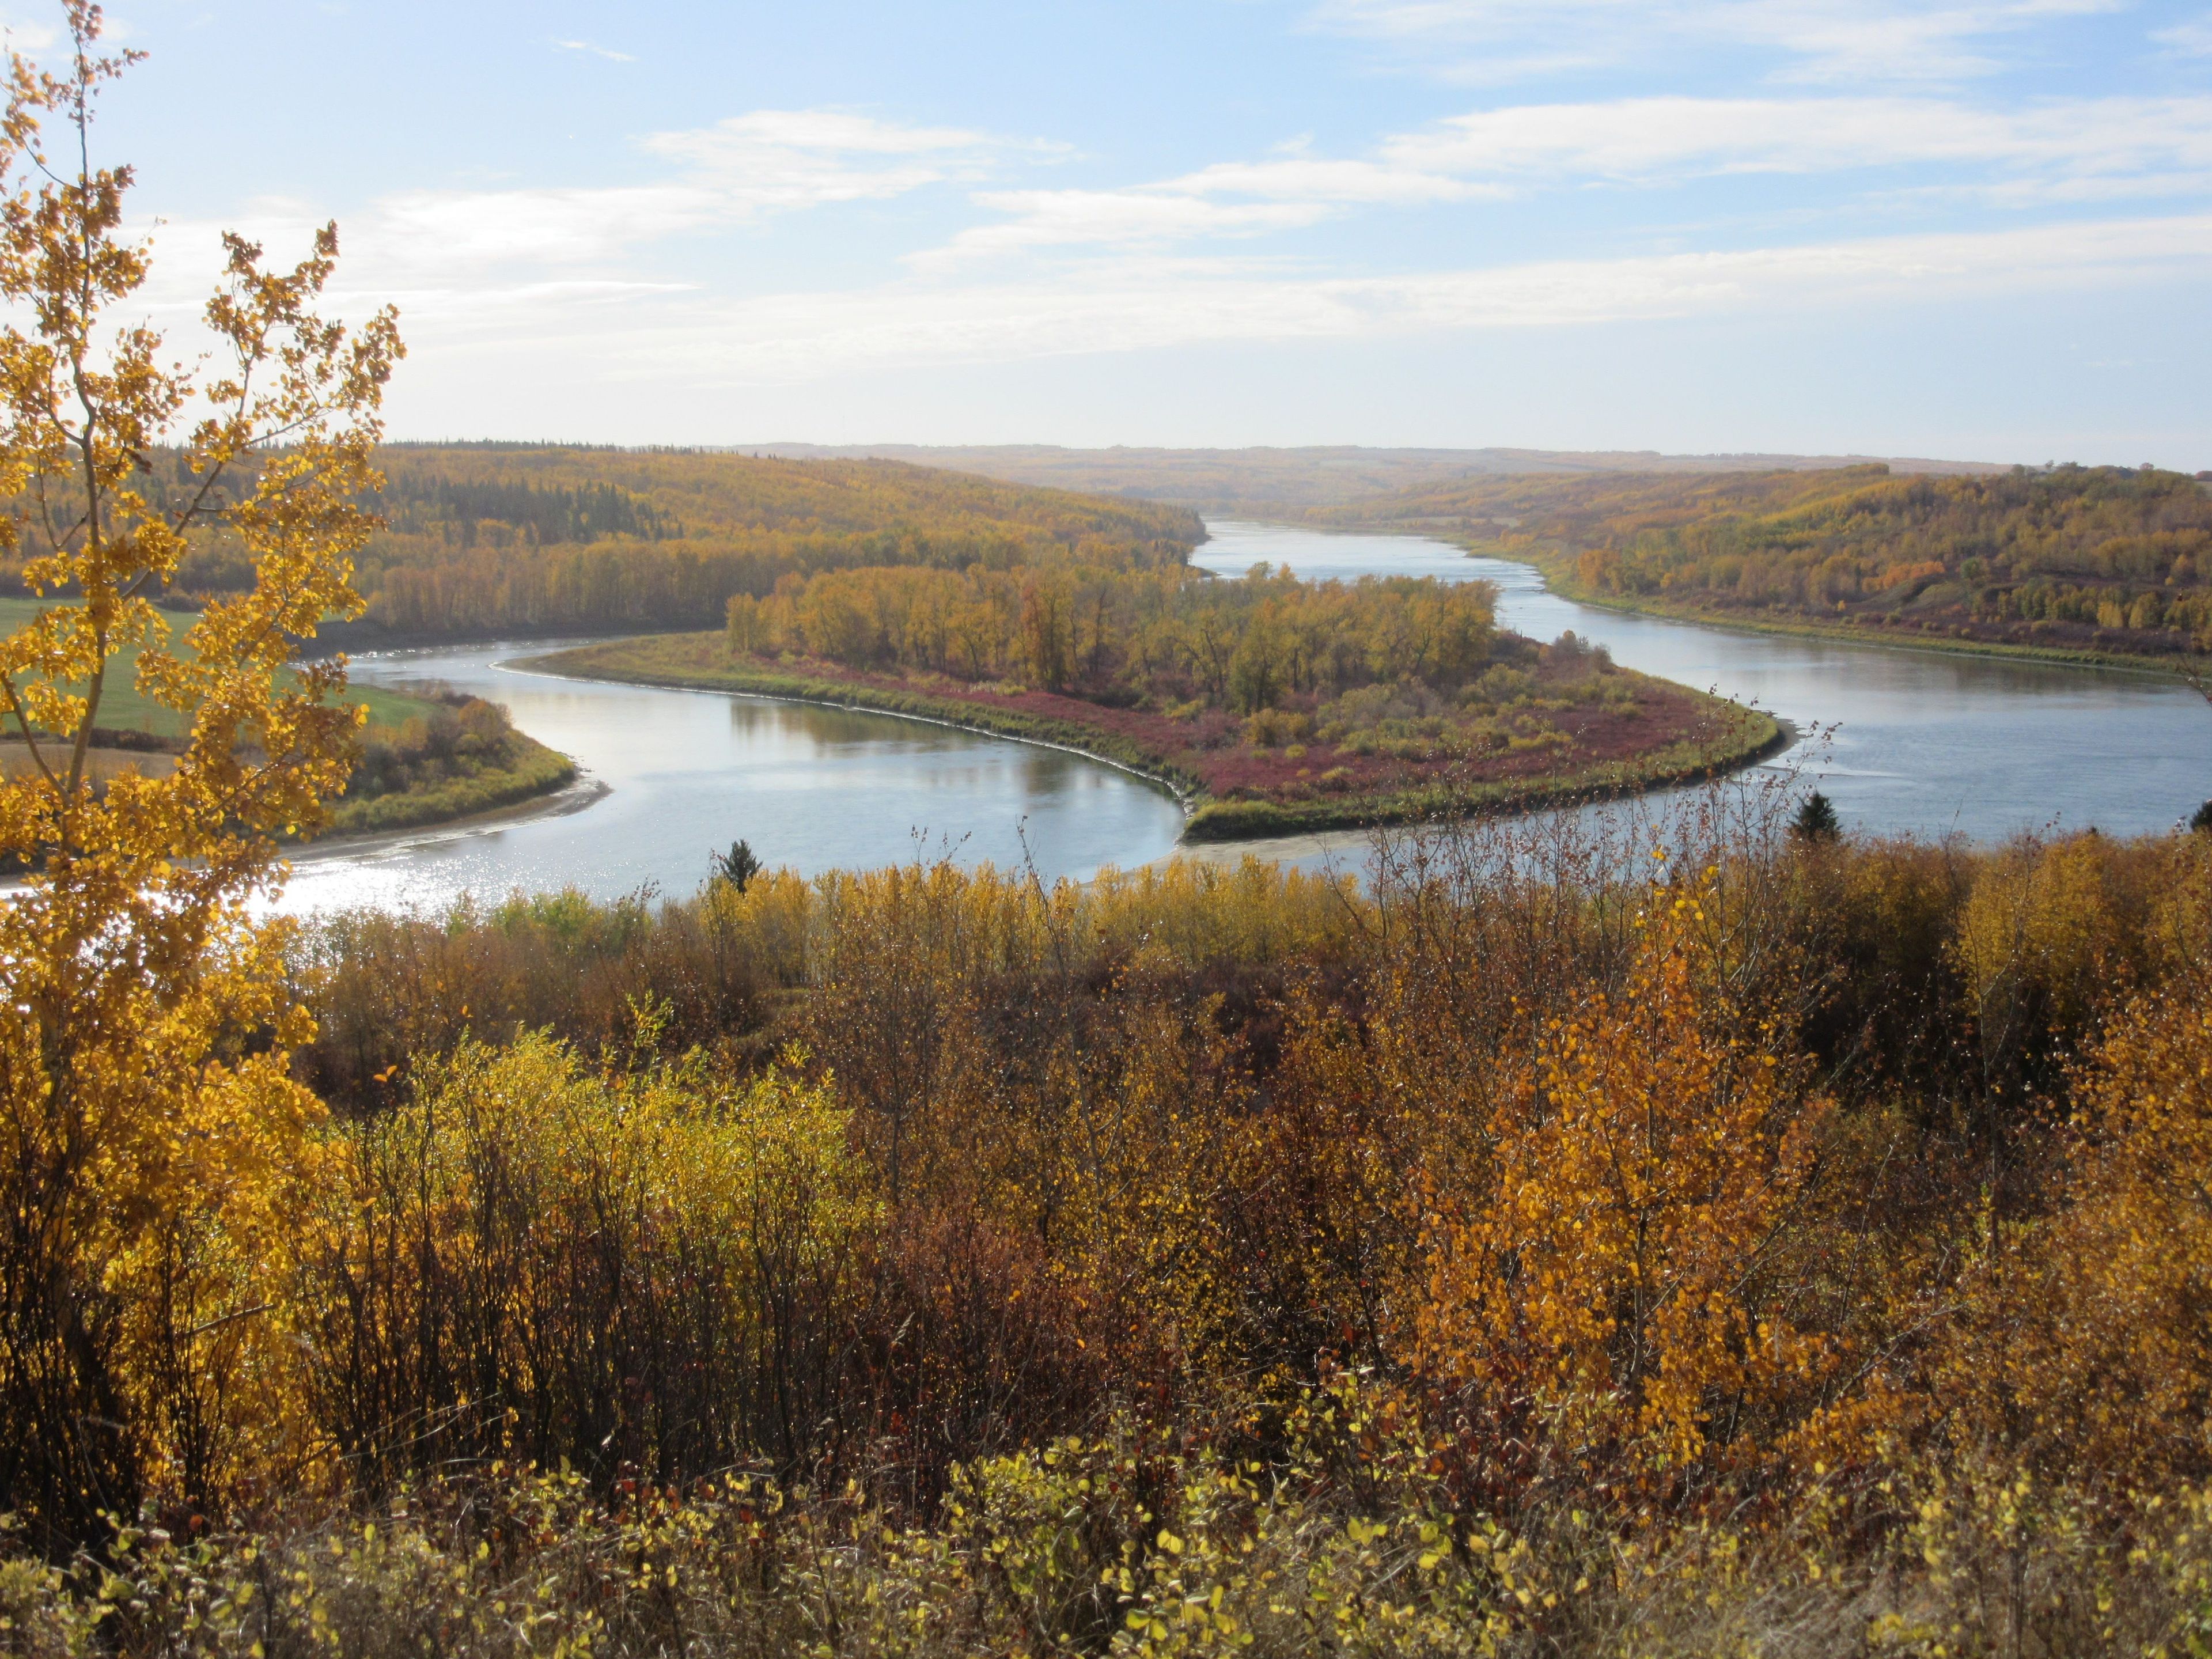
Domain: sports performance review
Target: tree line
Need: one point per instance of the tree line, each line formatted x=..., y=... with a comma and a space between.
x=1124, y=635
x=2112, y=557
x=480, y=539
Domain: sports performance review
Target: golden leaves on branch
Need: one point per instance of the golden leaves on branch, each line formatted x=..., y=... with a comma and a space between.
x=147, y=1113
x=1610, y=1287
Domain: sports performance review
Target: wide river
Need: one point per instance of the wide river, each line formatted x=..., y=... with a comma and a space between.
x=1917, y=741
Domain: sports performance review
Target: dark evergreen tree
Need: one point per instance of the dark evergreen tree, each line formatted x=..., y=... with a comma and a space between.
x=738, y=866
x=1816, y=820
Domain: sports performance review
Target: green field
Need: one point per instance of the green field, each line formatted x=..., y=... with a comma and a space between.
x=121, y=707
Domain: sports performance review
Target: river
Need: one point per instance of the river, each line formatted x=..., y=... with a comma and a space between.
x=1922, y=742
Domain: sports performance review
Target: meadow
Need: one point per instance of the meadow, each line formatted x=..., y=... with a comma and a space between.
x=123, y=707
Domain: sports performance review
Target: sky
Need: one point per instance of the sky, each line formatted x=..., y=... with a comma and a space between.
x=1977, y=229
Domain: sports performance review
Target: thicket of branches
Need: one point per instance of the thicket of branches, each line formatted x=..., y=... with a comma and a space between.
x=1121, y=635
x=1792, y=1201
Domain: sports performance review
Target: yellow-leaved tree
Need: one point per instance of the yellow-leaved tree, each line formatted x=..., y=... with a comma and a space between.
x=1618, y=1296
x=147, y=1115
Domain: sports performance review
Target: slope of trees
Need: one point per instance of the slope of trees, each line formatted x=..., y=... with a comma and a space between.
x=2095, y=558
x=1798, y=1248
x=522, y=538
x=1264, y=483
x=490, y=537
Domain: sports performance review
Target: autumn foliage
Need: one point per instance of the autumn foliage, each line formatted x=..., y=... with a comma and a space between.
x=149, y=1120
x=2109, y=559
x=1631, y=1233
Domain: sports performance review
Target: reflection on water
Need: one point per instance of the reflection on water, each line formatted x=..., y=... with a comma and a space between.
x=1923, y=742
x=690, y=772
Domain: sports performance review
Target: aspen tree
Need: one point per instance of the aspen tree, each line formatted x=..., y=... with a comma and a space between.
x=148, y=1119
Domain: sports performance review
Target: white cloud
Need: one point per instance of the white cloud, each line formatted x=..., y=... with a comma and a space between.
x=1119, y=218
x=745, y=141
x=440, y=230
x=1647, y=138
x=1492, y=40
x=596, y=51
x=30, y=38
x=2190, y=39
x=1288, y=192
x=769, y=161
x=1140, y=304
x=2077, y=150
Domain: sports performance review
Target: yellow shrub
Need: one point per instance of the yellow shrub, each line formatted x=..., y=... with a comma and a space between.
x=1608, y=1284
x=534, y=1260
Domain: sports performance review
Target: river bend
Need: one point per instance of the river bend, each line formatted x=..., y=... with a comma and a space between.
x=1922, y=742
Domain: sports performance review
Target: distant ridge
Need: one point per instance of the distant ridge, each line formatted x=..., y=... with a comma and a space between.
x=1229, y=480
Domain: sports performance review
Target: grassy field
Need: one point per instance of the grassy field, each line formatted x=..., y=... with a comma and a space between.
x=122, y=707
x=517, y=769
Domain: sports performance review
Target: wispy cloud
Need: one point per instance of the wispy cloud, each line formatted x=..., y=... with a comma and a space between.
x=2071, y=150
x=734, y=172
x=594, y=50
x=614, y=331
x=24, y=36
x=1855, y=40
x=1155, y=303
x=1643, y=139
x=2190, y=39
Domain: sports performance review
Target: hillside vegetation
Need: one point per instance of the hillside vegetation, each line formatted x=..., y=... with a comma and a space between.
x=1262, y=480
x=542, y=539
x=2098, y=560
x=1796, y=1247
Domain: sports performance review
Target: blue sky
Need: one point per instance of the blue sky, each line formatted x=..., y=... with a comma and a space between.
x=1980, y=229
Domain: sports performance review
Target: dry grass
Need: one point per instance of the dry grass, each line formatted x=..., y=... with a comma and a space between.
x=104, y=764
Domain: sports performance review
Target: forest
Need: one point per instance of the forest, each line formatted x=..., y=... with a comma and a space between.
x=1271, y=703
x=480, y=539
x=2107, y=561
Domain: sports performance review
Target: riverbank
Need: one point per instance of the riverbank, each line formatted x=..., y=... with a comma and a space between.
x=522, y=770
x=1558, y=569
x=1629, y=733
x=579, y=792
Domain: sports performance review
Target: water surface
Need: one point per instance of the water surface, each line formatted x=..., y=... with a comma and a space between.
x=687, y=772
x=1903, y=741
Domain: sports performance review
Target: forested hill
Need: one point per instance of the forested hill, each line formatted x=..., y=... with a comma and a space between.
x=1264, y=481
x=2102, y=559
x=546, y=539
